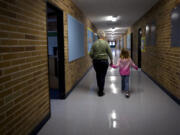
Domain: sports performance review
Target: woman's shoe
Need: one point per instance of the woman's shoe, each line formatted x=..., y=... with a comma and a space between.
x=100, y=94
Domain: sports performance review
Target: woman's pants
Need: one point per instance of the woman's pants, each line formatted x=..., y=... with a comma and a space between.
x=125, y=82
x=100, y=67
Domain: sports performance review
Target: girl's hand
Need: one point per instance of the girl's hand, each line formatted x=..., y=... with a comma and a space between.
x=114, y=66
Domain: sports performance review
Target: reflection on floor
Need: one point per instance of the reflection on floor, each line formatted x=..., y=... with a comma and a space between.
x=149, y=111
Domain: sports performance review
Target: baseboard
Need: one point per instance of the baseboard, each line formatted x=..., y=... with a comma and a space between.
x=77, y=82
x=40, y=125
x=164, y=89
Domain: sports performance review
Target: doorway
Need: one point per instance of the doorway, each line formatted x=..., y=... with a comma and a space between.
x=55, y=38
x=139, y=47
x=132, y=46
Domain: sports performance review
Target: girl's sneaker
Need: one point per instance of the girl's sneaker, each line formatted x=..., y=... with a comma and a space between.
x=127, y=94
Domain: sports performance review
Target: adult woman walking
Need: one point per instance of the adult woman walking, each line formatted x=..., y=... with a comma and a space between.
x=100, y=52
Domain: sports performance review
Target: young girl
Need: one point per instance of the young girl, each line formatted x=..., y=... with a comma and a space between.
x=124, y=63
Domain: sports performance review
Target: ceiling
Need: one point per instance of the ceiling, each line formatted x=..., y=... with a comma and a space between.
x=127, y=12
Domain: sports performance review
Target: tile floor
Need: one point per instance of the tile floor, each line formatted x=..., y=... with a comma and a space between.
x=149, y=111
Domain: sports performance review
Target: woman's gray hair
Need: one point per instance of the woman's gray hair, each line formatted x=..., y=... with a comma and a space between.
x=101, y=34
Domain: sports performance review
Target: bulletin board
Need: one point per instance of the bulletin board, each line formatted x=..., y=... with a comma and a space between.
x=75, y=38
x=122, y=43
x=90, y=39
x=143, y=44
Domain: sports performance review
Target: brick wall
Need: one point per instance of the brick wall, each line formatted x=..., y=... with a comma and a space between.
x=24, y=92
x=74, y=70
x=160, y=61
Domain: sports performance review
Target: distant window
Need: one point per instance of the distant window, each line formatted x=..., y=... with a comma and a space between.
x=112, y=43
x=175, y=21
x=151, y=33
x=148, y=37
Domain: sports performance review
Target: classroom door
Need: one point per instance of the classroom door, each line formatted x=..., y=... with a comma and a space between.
x=132, y=46
x=139, y=47
x=55, y=52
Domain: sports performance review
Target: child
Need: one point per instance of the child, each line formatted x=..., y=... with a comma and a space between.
x=124, y=63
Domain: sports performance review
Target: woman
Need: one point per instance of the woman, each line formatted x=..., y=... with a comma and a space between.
x=100, y=52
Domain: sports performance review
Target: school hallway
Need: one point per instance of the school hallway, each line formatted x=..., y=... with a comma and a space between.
x=148, y=111
x=47, y=81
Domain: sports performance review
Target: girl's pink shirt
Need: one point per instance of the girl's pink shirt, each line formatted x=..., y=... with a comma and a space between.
x=124, y=66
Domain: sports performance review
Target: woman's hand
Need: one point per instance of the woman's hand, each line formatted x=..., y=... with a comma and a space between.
x=111, y=63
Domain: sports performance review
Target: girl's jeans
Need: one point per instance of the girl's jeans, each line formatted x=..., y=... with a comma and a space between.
x=125, y=82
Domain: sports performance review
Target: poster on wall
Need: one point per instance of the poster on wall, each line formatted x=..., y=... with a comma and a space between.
x=90, y=39
x=143, y=44
x=75, y=39
x=122, y=43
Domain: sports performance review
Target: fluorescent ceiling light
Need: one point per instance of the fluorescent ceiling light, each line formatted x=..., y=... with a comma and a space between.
x=112, y=18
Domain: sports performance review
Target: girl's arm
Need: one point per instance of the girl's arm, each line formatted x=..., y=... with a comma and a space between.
x=117, y=65
x=133, y=65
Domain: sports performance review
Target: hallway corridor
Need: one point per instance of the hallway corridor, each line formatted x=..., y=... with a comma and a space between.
x=47, y=82
x=149, y=111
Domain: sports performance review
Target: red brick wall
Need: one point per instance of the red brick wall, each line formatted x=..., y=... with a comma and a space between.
x=24, y=92
x=161, y=61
